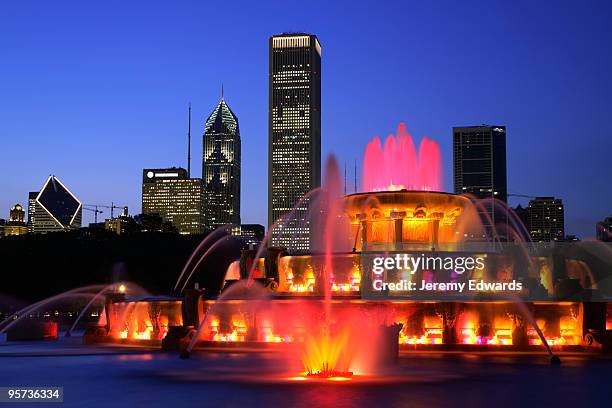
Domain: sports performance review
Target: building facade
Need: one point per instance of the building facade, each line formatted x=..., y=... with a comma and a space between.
x=31, y=210
x=221, y=167
x=54, y=208
x=604, y=230
x=250, y=234
x=118, y=224
x=294, y=126
x=479, y=161
x=479, y=164
x=16, y=224
x=175, y=197
x=546, y=219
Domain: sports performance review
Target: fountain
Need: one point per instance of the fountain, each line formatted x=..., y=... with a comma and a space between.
x=322, y=310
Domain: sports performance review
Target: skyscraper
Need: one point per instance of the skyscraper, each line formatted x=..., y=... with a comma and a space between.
x=479, y=159
x=31, y=210
x=174, y=196
x=479, y=163
x=221, y=167
x=53, y=208
x=546, y=221
x=294, y=159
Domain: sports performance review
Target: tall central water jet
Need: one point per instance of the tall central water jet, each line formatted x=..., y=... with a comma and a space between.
x=398, y=165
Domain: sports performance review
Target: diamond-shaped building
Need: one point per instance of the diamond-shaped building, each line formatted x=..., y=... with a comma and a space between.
x=53, y=208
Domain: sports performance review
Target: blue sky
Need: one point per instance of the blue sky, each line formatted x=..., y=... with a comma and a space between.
x=94, y=92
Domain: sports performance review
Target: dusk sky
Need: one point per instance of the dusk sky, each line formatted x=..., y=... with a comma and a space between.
x=94, y=93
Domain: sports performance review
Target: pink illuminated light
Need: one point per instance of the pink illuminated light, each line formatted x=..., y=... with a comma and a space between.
x=397, y=165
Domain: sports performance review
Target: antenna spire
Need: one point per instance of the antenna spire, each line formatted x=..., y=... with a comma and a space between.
x=222, y=97
x=189, y=143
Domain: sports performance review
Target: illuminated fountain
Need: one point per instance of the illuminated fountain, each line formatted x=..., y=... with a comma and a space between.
x=319, y=307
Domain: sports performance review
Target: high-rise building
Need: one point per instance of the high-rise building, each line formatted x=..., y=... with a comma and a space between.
x=545, y=219
x=175, y=197
x=251, y=234
x=53, y=208
x=604, y=230
x=479, y=160
x=221, y=167
x=294, y=159
x=31, y=210
x=16, y=224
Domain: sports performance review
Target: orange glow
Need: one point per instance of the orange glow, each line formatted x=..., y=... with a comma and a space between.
x=323, y=353
x=298, y=378
x=501, y=329
x=568, y=330
x=431, y=336
x=432, y=332
x=144, y=320
x=270, y=337
x=421, y=216
x=339, y=379
x=306, y=286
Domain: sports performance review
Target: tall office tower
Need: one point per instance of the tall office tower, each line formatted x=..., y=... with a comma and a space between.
x=479, y=159
x=221, y=167
x=53, y=208
x=479, y=162
x=174, y=196
x=294, y=127
x=545, y=219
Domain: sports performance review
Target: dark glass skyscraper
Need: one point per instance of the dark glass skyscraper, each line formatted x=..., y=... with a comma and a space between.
x=221, y=167
x=479, y=163
x=546, y=220
x=294, y=159
x=479, y=159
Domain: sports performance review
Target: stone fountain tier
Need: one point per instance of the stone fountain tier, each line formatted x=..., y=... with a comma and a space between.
x=406, y=216
x=405, y=204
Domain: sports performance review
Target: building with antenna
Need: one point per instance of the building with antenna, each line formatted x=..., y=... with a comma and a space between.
x=53, y=208
x=221, y=167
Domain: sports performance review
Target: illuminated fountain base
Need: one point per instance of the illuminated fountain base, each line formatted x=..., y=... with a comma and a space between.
x=289, y=306
x=281, y=322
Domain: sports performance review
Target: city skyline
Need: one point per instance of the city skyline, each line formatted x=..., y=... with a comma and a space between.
x=556, y=146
